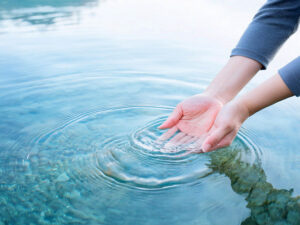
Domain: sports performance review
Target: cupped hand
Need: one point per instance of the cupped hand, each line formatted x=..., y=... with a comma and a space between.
x=193, y=117
x=226, y=126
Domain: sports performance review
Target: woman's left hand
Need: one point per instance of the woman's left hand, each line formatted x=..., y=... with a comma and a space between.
x=226, y=126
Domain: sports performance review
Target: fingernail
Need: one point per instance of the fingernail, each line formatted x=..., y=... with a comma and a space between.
x=206, y=147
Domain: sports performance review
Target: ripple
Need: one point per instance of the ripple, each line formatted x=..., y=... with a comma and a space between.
x=120, y=161
x=113, y=147
x=148, y=139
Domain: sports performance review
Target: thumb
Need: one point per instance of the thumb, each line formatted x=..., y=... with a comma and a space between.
x=172, y=119
x=213, y=139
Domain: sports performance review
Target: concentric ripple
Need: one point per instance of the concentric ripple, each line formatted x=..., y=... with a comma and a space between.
x=121, y=147
x=148, y=138
x=127, y=164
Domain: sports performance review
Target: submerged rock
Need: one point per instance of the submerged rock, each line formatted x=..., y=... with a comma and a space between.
x=62, y=177
x=73, y=195
x=269, y=206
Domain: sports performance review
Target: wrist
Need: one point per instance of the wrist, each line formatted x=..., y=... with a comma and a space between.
x=216, y=95
x=242, y=108
x=232, y=78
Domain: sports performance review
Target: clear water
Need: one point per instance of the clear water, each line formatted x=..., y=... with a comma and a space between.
x=84, y=85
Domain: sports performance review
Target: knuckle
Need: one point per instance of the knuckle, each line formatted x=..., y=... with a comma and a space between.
x=228, y=143
x=178, y=106
x=178, y=109
x=227, y=127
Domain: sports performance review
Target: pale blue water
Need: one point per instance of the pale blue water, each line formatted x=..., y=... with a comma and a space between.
x=83, y=87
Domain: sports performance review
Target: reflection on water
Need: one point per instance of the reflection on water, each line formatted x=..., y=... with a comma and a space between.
x=15, y=4
x=37, y=12
x=268, y=205
x=79, y=110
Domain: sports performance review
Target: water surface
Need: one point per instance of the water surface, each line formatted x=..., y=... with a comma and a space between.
x=84, y=85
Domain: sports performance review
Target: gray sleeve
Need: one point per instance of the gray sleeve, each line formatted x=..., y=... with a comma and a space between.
x=270, y=28
x=290, y=74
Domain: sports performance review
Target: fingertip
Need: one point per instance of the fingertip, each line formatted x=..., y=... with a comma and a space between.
x=164, y=125
x=170, y=122
x=206, y=147
x=161, y=127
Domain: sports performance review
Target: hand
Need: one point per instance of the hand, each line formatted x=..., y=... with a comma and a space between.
x=226, y=126
x=194, y=117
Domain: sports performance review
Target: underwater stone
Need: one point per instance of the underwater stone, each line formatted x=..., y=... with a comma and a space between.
x=293, y=217
x=78, y=214
x=257, y=210
x=73, y=195
x=263, y=219
x=279, y=196
x=257, y=197
x=277, y=212
x=281, y=223
x=114, y=211
x=242, y=186
x=62, y=178
x=249, y=221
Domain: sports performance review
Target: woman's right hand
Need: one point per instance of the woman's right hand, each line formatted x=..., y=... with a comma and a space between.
x=193, y=116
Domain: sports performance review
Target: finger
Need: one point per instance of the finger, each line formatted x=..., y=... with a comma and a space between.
x=196, y=147
x=192, y=142
x=172, y=119
x=226, y=141
x=186, y=140
x=174, y=142
x=177, y=138
x=190, y=149
x=215, y=137
x=168, y=134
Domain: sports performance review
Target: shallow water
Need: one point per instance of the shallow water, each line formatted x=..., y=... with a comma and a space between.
x=83, y=87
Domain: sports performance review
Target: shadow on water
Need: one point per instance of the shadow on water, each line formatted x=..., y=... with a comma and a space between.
x=36, y=12
x=267, y=204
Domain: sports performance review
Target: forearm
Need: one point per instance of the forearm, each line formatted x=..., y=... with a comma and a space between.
x=271, y=91
x=232, y=78
x=233, y=114
x=270, y=28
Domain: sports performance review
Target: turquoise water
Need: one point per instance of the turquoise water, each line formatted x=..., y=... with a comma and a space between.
x=83, y=87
